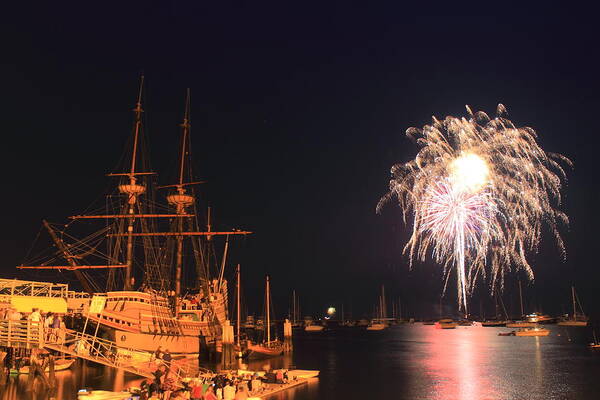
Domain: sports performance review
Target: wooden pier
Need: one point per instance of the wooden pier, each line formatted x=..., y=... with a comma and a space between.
x=31, y=335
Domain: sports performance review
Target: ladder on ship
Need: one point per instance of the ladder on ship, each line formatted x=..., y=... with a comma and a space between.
x=106, y=352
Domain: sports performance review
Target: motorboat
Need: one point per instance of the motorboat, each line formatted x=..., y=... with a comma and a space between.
x=532, y=332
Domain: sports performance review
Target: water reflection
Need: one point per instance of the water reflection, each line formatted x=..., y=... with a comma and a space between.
x=456, y=362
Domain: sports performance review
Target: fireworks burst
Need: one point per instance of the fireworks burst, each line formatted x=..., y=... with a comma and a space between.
x=479, y=192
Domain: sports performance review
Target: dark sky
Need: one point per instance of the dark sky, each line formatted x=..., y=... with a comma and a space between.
x=298, y=114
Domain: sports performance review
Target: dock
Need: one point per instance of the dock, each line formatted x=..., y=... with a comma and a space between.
x=274, y=388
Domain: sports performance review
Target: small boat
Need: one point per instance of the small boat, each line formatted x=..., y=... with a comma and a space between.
x=446, y=323
x=265, y=350
x=511, y=333
x=60, y=364
x=313, y=328
x=532, y=332
x=376, y=326
x=575, y=319
x=362, y=322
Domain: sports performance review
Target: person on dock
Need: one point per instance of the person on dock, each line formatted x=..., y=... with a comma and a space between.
x=35, y=315
x=167, y=358
x=242, y=393
x=210, y=394
x=256, y=384
x=196, y=392
x=158, y=354
x=229, y=391
x=48, y=326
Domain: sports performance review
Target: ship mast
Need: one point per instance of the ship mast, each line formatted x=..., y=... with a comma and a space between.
x=180, y=200
x=238, y=304
x=133, y=189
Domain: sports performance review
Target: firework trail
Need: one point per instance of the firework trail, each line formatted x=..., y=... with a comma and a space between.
x=479, y=193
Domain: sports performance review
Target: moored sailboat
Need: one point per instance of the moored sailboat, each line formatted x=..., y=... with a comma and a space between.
x=268, y=348
x=575, y=319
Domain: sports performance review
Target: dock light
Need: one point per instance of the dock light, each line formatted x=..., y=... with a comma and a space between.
x=331, y=311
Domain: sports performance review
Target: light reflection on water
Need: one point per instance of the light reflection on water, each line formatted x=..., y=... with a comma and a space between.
x=405, y=362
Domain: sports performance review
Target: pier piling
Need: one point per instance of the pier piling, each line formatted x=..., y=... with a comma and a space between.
x=228, y=351
x=287, y=337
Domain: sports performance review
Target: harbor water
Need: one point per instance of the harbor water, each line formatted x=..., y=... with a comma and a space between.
x=410, y=361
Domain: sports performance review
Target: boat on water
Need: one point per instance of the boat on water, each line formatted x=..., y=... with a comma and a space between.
x=249, y=323
x=498, y=321
x=511, y=333
x=595, y=344
x=376, y=325
x=446, y=323
x=533, y=332
x=313, y=327
x=575, y=319
x=539, y=318
x=362, y=322
x=267, y=348
x=141, y=238
x=380, y=322
x=60, y=364
x=493, y=323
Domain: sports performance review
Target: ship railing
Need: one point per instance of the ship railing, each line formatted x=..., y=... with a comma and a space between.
x=15, y=287
x=21, y=333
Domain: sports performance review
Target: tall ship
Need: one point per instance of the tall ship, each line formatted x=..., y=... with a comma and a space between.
x=147, y=255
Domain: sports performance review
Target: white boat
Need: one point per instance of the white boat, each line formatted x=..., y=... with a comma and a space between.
x=575, y=319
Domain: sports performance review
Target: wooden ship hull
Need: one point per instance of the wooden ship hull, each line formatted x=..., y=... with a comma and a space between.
x=143, y=321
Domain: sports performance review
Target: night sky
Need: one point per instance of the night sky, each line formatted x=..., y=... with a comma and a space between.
x=298, y=113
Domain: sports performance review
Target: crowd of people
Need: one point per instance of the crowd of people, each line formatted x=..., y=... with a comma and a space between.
x=53, y=323
x=230, y=386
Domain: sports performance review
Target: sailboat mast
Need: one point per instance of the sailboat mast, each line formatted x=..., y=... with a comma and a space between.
x=238, y=305
x=293, y=306
x=521, y=298
x=133, y=190
x=573, y=294
x=268, y=311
